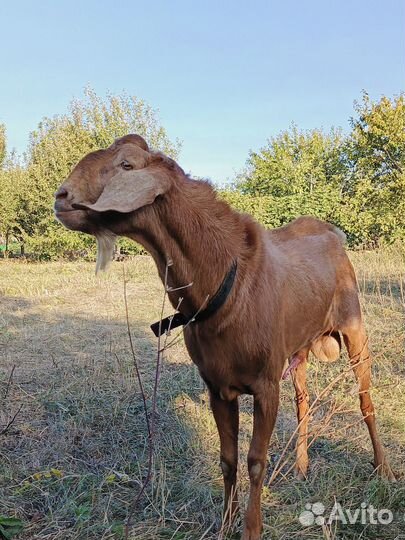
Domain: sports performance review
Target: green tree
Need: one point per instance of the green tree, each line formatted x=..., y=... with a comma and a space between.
x=296, y=173
x=13, y=197
x=374, y=191
x=295, y=162
x=357, y=181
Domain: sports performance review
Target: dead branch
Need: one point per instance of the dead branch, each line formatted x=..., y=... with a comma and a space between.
x=11, y=422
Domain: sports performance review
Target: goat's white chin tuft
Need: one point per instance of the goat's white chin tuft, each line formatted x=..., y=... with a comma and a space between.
x=105, y=249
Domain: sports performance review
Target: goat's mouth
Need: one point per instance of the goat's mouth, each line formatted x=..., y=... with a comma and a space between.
x=75, y=220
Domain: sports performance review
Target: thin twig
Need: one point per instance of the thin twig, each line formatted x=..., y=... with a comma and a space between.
x=152, y=422
x=179, y=335
x=11, y=422
x=10, y=380
x=174, y=289
x=278, y=466
x=138, y=374
x=316, y=433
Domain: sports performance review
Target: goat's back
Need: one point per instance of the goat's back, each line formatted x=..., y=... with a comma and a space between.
x=305, y=226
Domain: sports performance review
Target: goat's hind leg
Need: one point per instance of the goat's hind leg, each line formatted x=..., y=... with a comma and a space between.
x=299, y=378
x=356, y=342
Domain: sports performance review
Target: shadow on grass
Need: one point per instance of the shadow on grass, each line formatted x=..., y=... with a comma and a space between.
x=77, y=452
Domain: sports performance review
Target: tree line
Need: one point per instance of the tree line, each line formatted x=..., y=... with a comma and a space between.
x=354, y=179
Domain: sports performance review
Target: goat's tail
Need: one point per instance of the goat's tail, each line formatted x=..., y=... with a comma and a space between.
x=327, y=347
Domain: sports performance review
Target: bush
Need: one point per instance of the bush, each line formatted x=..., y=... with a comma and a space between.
x=57, y=244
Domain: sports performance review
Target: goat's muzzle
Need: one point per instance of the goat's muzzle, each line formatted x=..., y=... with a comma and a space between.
x=72, y=218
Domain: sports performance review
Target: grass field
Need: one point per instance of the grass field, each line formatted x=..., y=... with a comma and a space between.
x=75, y=454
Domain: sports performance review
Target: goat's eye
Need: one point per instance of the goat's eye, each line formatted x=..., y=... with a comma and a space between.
x=125, y=165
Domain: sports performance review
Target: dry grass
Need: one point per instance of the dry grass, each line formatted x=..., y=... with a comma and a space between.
x=74, y=457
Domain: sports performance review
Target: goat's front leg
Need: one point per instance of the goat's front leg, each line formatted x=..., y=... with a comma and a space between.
x=226, y=414
x=265, y=413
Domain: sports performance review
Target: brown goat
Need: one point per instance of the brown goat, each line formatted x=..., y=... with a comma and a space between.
x=294, y=291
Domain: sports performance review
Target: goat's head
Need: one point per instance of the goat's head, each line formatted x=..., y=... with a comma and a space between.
x=108, y=184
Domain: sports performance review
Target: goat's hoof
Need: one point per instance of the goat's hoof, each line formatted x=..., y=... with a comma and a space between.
x=300, y=474
x=385, y=471
x=250, y=535
x=252, y=530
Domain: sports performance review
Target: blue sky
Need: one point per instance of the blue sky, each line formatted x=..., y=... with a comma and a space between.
x=225, y=76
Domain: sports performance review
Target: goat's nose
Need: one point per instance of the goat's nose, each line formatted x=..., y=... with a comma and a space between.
x=62, y=193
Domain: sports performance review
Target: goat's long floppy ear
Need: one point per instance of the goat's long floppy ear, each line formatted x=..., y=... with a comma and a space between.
x=130, y=191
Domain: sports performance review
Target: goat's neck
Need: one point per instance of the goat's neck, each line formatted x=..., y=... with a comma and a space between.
x=194, y=240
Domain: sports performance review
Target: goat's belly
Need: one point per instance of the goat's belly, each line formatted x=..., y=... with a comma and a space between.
x=227, y=385
x=224, y=378
x=229, y=393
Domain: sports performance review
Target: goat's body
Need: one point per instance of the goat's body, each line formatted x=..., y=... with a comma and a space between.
x=294, y=291
x=295, y=297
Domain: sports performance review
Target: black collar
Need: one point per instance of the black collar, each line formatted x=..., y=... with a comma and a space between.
x=216, y=302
